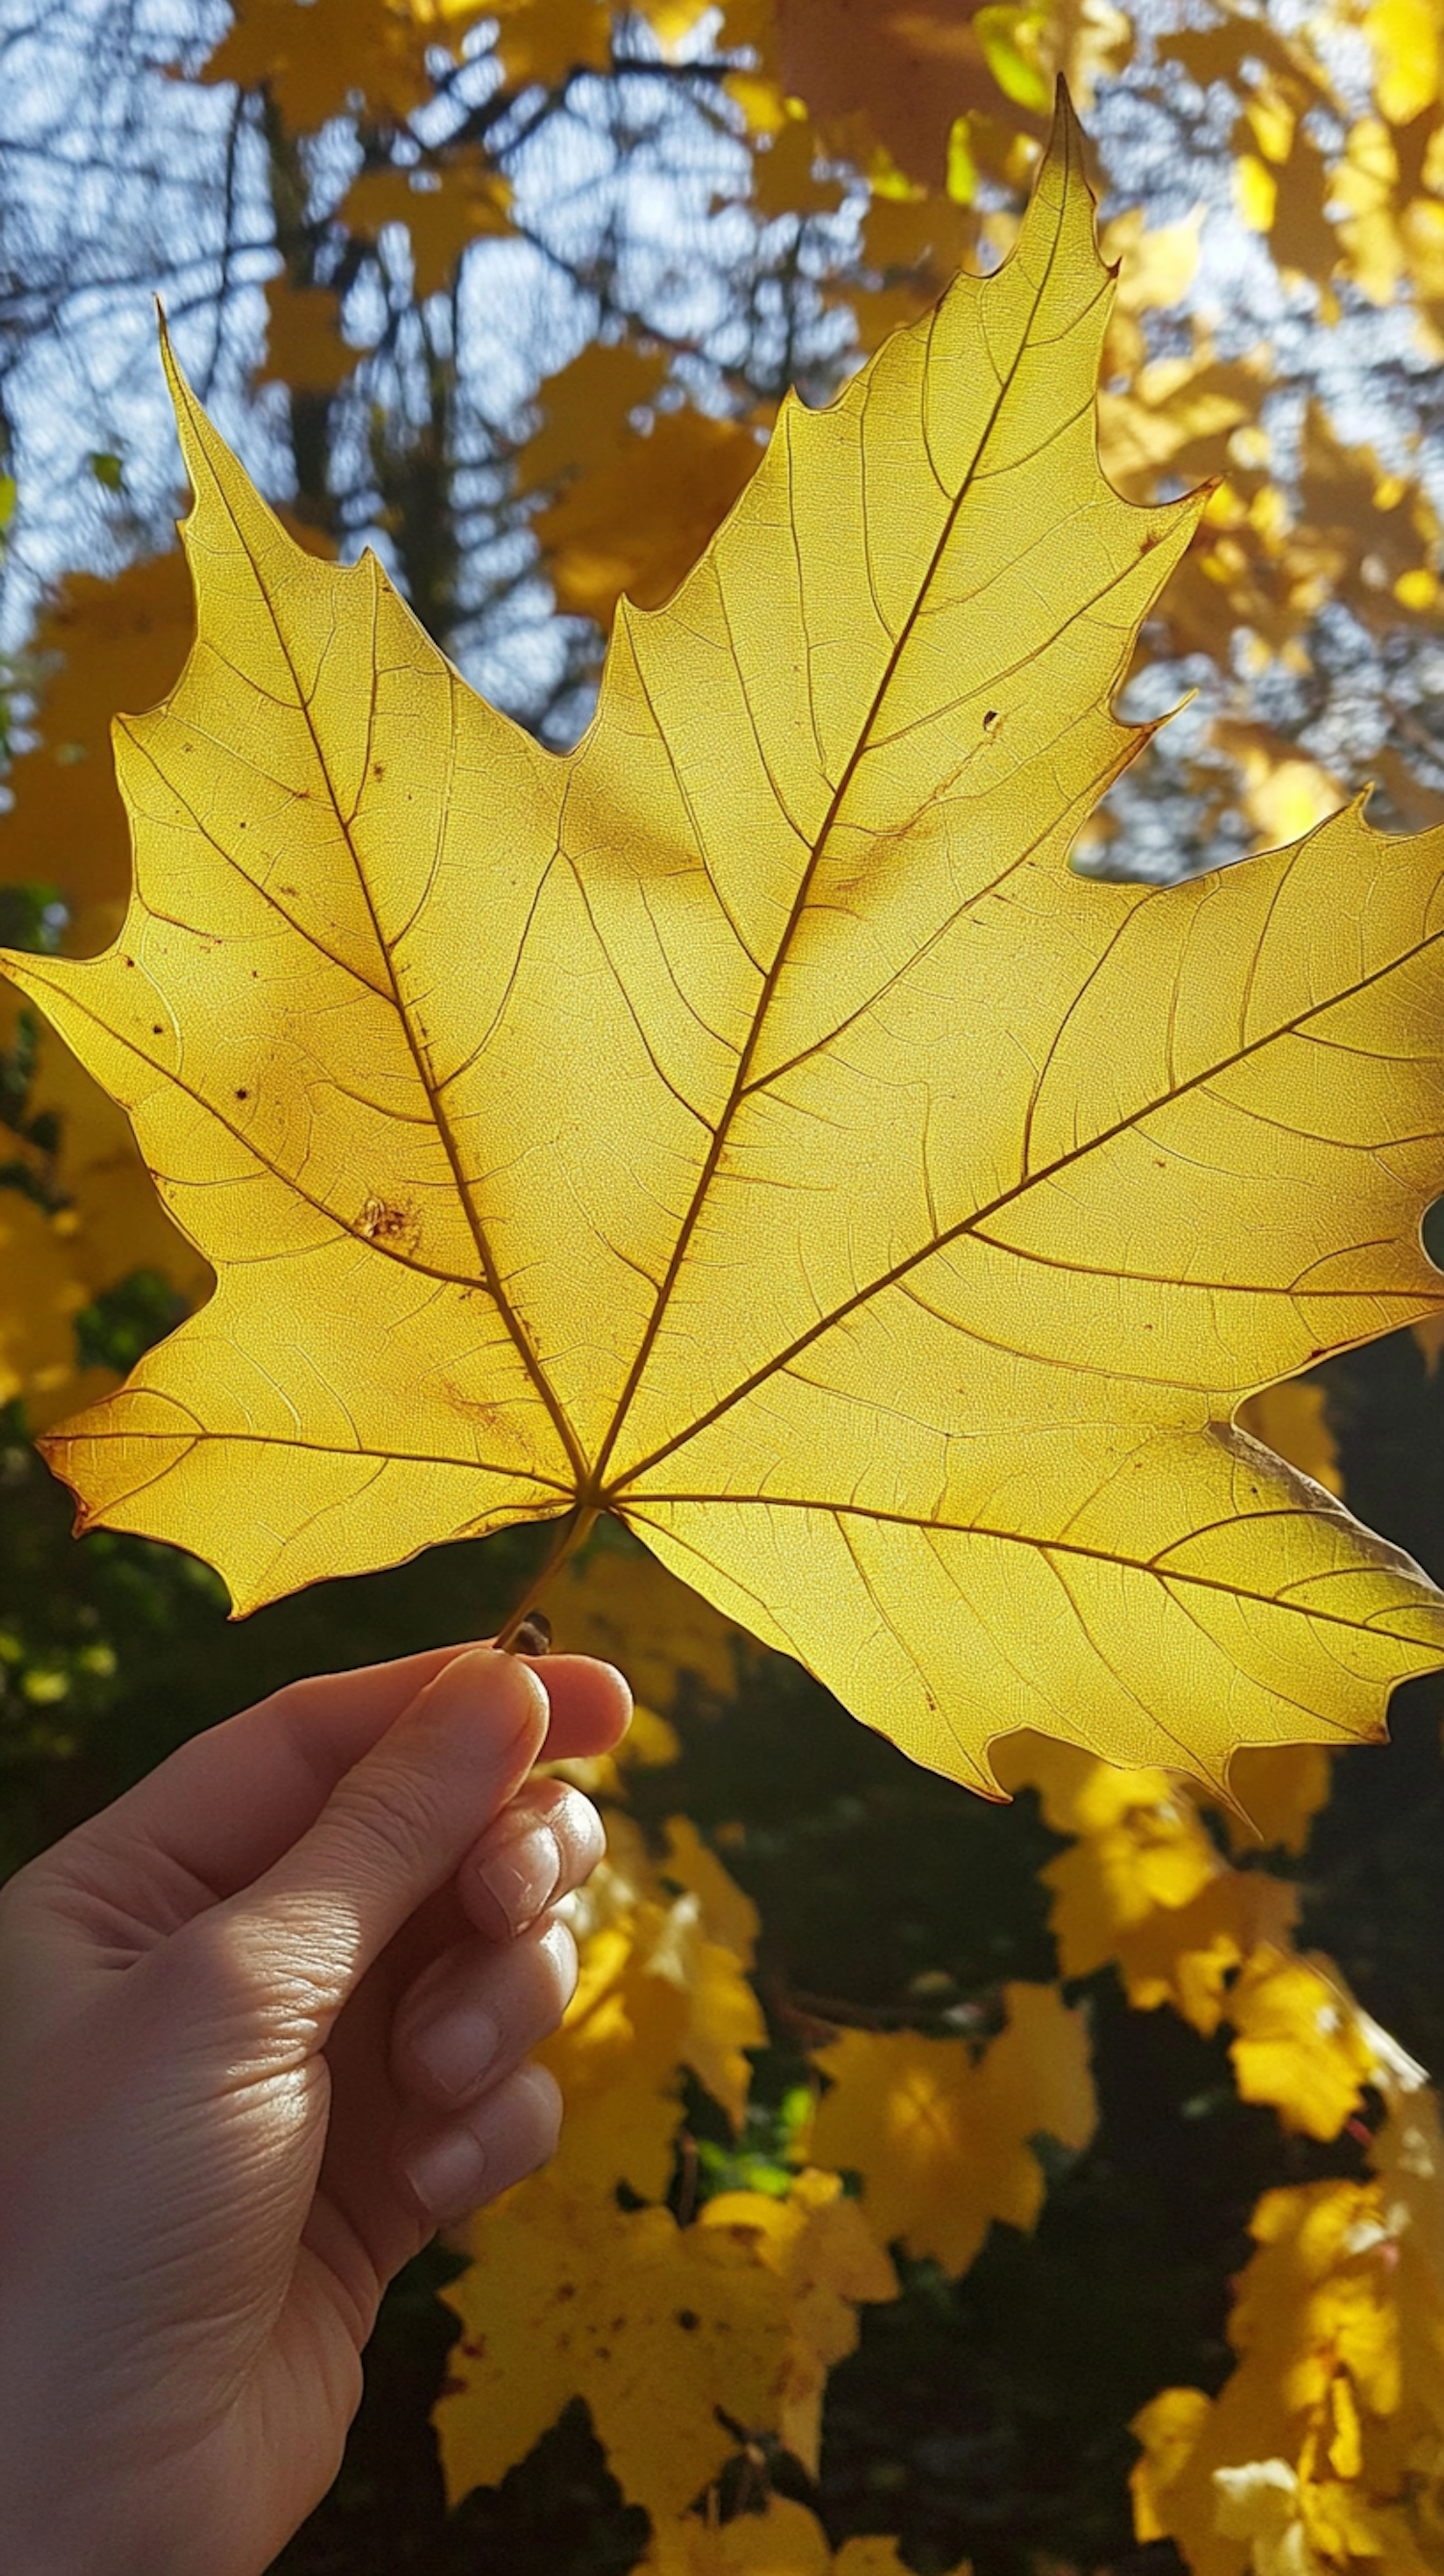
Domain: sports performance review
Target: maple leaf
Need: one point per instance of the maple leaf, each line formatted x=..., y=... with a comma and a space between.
x=656, y=2326
x=1298, y=2044
x=460, y=205
x=314, y=56
x=304, y=346
x=783, y=2540
x=943, y=2141
x=54, y=1262
x=627, y=1608
x=748, y=1124
x=1326, y=2447
x=663, y=1984
x=822, y=2249
x=114, y=640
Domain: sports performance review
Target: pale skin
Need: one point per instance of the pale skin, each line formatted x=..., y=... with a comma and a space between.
x=236, y=2009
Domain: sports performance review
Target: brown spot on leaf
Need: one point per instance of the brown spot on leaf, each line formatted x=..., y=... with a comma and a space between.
x=383, y=1222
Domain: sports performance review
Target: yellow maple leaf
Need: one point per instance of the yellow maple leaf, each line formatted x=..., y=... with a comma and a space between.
x=657, y=2326
x=443, y=211
x=635, y=526
x=1325, y=2450
x=628, y=1609
x=663, y=1985
x=1298, y=2045
x=315, y=57
x=783, y=2540
x=1280, y=1789
x=941, y=2140
x=829, y=2262
x=1291, y=1419
x=304, y=346
x=1403, y=36
x=543, y=40
x=108, y=1225
x=113, y=643
x=801, y=1163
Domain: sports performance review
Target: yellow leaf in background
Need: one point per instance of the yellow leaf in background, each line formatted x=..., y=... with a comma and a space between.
x=724, y=2019
x=784, y=182
x=460, y=206
x=51, y=1266
x=671, y=20
x=1156, y=268
x=1404, y=39
x=1292, y=1419
x=1325, y=2450
x=912, y=66
x=315, y=56
x=1169, y=2429
x=40, y=1296
x=544, y=40
x=747, y=1124
x=586, y=412
x=829, y=2262
x=1363, y=186
x=906, y=71
x=304, y=346
x=916, y=240
x=783, y=2540
x=118, y=642
x=648, y=1745
x=941, y=2139
x=1280, y=1788
x=617, y=2058
x=658, y=2327
x=1298, y=2045
x=1429, y=1334
x=1009, y=38
x=870, y=2554
x=625, y=1607
x=1255, y=192
x=663, y=1985
x=635, y=508
x=730, y=1914
x=1144, y=1885
x=636, y=526
x=1286, y=798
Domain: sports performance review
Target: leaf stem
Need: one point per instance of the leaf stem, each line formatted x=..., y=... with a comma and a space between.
x=571, y=1531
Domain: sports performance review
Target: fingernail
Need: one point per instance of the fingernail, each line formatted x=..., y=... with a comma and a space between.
x=520, y=1877
x=457, y=2050
x=447, y=2175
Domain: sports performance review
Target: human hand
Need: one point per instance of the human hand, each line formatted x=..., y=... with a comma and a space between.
x=214, y=2088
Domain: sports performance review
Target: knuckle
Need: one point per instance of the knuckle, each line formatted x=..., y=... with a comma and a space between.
x=390, y=1811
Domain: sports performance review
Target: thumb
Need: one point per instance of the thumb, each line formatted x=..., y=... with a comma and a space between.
x=394, y=1829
